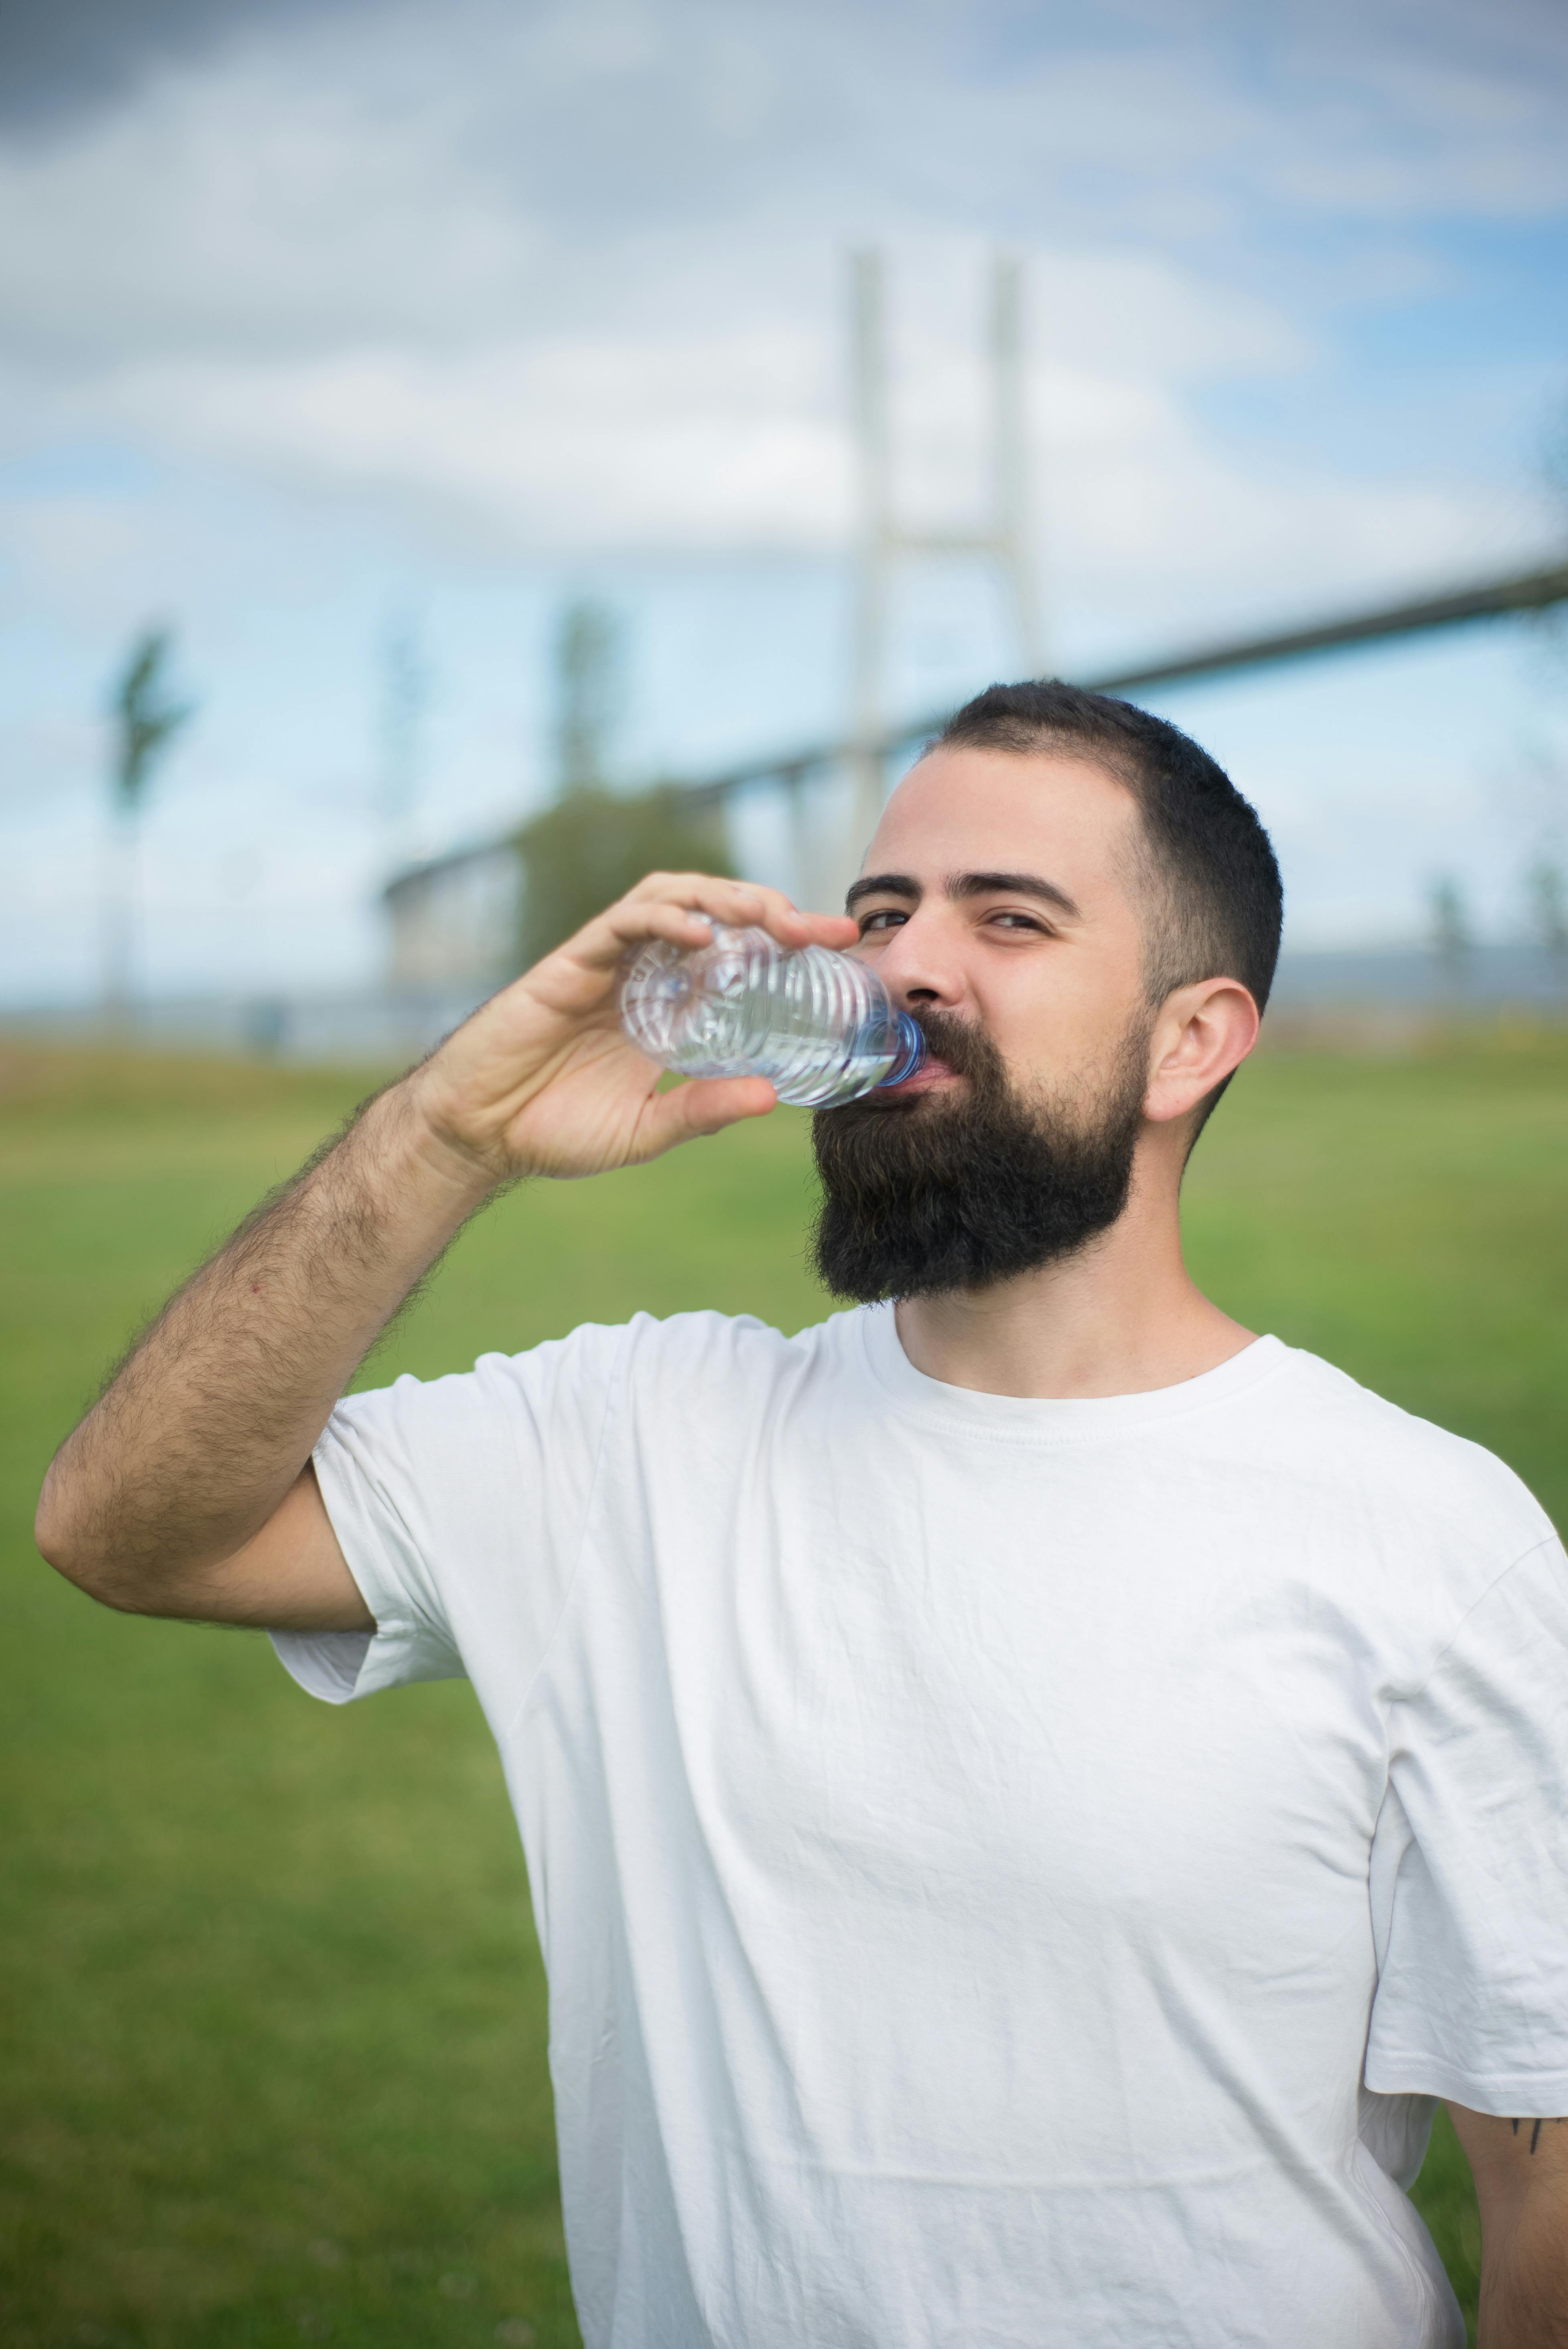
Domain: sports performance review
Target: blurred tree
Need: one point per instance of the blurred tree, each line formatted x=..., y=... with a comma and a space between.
x=1547, y=893
x=590, y=848
x=1450, y=930
x=590, y=693
x=146, y=721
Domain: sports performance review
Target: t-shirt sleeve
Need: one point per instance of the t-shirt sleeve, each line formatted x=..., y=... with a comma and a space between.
x=1469, y=1862
x=459, y=1505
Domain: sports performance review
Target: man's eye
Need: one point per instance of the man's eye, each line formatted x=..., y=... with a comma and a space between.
x=889, y=919
x=1011, y=920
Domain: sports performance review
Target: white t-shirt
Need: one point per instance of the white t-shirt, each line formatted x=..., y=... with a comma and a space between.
x=1012, y=1874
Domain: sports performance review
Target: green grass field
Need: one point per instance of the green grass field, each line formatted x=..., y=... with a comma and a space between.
x=271, y=2037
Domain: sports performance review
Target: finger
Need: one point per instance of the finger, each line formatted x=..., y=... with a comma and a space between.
x=592, y=959
x=740, y=903
x=705, y=1105
x=629, y=924
x=785, y=921
x=684, y=921
x=681, y=909
x=838, y=930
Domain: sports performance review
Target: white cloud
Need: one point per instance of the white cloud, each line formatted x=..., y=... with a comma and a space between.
x=567, y=277
x=675, y=434
x=239, y=212
x=395, y=293
x=436, y=179
x=601, y=441
x=737, y=440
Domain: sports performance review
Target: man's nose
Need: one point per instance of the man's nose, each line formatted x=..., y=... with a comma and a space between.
x=919, y=965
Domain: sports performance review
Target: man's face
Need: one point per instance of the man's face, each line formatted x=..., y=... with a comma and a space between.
x=996, y=905
x=999, y=890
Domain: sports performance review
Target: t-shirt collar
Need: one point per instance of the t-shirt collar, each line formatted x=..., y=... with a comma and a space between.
x=1055, y=1418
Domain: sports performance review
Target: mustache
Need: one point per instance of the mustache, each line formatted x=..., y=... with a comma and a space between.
x=961, y=1045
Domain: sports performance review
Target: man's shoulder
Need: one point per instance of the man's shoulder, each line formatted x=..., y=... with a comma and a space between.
x=664, y=1381
x=702, y=1346
x=1359, y=1439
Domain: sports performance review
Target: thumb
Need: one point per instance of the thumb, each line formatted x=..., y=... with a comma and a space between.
x=705, y=1105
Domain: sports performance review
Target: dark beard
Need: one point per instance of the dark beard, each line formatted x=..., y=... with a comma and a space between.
x=959, y=1190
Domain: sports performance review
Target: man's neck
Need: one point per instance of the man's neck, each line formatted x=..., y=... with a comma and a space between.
x=1121, y=1317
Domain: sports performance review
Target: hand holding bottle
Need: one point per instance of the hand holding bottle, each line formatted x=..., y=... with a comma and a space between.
x=542, y=1079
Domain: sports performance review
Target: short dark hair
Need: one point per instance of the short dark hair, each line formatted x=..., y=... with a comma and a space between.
x=1210, y=870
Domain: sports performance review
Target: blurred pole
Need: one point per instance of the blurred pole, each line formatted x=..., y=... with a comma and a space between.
x=1002, y=538
x=1450, y=934
x=590, y=693
x=405, y=697
x=1010, y=458
x=874, y=542
x=801, y=877
x=120, y=908
x=146, y=722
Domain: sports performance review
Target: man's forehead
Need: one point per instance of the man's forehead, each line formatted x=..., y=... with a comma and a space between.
x=962, y=810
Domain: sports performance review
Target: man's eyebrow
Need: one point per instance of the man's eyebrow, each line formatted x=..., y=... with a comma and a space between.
x=881, y=885
x=1014, y=885
x=965, y=884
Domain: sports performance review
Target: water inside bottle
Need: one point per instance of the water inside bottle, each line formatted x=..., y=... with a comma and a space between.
x=820, y=1026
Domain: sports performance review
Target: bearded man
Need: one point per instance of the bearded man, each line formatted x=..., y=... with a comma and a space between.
x=1029, y=1790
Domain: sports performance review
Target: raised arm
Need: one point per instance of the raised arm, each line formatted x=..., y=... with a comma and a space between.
x=187, y=1489
x=1521, y=2170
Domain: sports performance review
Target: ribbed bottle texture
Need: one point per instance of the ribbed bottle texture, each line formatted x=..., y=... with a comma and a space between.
x=820, y=1027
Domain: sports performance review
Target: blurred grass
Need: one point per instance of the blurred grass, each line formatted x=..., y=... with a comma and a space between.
x=272, y=2049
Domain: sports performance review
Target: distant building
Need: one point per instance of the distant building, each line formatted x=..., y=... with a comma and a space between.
x=457, y=919
x=1488, y=977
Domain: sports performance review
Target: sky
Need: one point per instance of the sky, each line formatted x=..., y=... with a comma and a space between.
x=322, y=321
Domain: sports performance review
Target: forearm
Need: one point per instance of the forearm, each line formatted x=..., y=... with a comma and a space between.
x=1521, y=2170
x=1524, y=2279
x=203, y=1432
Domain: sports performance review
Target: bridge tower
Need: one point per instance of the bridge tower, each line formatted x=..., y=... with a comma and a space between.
x=883, y=544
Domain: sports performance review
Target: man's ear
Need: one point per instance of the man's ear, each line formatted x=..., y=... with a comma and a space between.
x=1203, y=1033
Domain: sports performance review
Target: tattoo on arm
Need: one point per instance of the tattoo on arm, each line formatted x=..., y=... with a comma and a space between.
x=1536, y=2127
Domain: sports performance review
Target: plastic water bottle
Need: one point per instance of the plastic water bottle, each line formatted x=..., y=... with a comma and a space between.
x=820, y=1027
